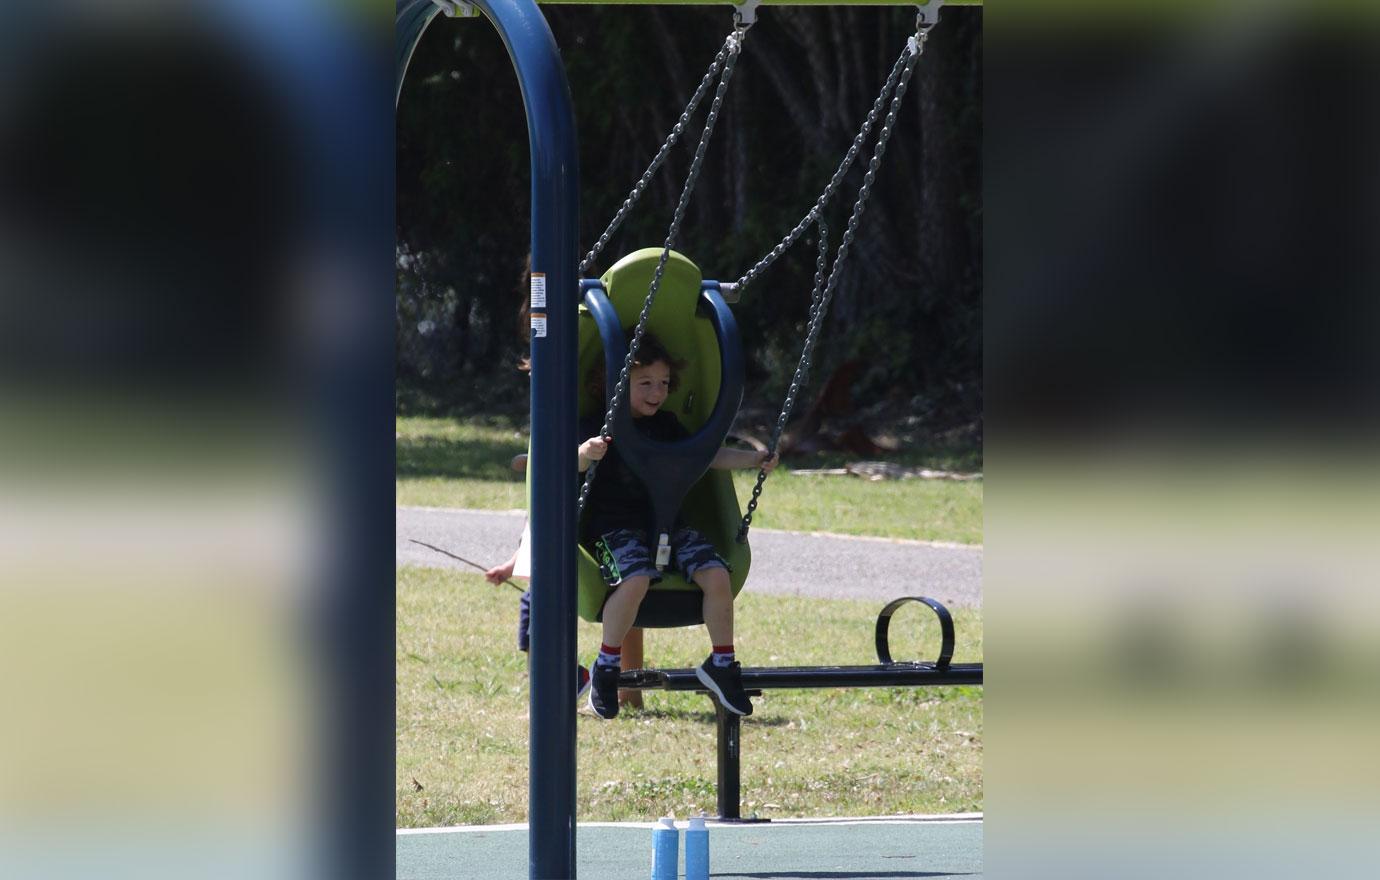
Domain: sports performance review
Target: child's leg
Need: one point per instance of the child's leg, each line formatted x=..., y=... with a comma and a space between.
x=718, y=604
x=625, y=563
x=621, y=608
x=696, y=557
x=619, y=613
x=719, y=673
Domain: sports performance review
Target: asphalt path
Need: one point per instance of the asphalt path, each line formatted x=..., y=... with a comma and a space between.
x=783, y=563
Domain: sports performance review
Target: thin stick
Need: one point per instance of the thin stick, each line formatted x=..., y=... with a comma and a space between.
x=464, y=560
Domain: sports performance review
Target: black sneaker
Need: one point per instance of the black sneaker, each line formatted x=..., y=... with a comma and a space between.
x=725, y=683
x=581, y=681
x=603, y=697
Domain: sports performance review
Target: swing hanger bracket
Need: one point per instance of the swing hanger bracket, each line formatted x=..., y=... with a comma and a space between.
x=457, y=8
x=745, y=14
x=926, y=17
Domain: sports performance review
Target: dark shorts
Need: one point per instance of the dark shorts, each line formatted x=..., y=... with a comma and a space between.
x=525, y=621
x=625, y=553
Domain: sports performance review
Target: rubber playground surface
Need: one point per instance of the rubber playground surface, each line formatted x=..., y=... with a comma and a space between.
x=811, y=849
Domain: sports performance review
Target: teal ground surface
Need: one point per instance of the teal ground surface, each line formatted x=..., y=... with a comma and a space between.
x=864, y=850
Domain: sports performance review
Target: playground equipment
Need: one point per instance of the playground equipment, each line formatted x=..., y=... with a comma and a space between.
x=692, y=320
x=668, y=471
x=555, y=397
x=885, y=673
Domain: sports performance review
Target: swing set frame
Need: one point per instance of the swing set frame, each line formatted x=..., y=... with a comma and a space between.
x=554, y=392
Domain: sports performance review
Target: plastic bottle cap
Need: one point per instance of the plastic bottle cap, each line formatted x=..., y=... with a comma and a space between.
x=667, y=822
x=696, y=823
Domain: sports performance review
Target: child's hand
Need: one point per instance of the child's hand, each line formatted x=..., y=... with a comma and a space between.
x=500, y=573
x=769, y=462
x=595, y=448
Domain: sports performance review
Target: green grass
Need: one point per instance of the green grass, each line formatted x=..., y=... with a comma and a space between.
x=462, y=717
x=448, y=463
x=925, y=510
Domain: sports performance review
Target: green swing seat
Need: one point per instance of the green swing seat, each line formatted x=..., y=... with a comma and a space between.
x=690, y=322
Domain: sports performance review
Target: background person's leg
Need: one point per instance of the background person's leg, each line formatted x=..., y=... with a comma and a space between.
x=632, y=659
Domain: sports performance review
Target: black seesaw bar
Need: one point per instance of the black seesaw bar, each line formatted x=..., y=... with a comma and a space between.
x=764, y=678
x=757, y=679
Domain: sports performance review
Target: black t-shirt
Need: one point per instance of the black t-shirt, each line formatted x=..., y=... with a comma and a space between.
x=618, y=500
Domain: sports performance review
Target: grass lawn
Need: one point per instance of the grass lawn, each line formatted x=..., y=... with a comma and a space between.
x=462, y=717
x=446, y=463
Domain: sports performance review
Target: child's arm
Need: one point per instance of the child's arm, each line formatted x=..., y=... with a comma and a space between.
x=592, y=450
x=734, y=459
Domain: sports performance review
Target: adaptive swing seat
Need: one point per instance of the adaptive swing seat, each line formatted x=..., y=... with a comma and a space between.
x=695, y=325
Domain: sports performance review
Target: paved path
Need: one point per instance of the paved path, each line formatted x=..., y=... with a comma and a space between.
x=786, y=563
x=877, y=849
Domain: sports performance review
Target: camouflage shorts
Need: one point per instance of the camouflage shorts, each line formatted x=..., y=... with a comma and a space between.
x=625, y=553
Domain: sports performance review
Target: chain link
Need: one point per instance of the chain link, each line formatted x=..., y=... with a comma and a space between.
x=820, y=302
x=832, y=186
x=802, y=371
x=733, y=46
x=823, y=292
x=660, y=157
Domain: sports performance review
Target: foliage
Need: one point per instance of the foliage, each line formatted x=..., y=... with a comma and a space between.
x=910, y=297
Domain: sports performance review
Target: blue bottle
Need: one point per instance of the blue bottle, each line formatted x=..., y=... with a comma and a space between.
x=665, y=849
x=697, y=850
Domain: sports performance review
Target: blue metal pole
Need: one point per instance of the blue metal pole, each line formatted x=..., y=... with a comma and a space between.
x=555, y=210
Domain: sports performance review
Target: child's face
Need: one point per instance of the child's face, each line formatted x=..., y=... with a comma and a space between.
x=650, y=385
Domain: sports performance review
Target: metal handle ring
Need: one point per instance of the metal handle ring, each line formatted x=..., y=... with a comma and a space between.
x=946, y=628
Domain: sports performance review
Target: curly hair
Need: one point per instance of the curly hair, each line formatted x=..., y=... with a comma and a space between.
x=650, y=351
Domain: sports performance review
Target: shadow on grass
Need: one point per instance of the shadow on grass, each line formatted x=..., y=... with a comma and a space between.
x=706, y=717
x=476, y=459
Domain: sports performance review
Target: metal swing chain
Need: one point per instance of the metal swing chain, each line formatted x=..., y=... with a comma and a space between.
x=733, y=45
x=660, y=157
x=832, y=186
x=801, y=372
x=914, y=50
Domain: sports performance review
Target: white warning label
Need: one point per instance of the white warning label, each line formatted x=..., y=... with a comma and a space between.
x=538, y=324
x=538, y=290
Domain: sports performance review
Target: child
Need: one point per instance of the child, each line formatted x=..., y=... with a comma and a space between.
x=614, y=529
x=519, y=566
